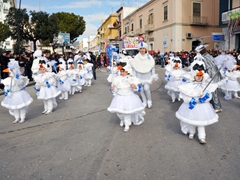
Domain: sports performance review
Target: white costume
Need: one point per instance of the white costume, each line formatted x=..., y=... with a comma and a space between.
x=126, y=103
x=113, y=72
x=80, y=76
x=89, y=75
x=63, y=82
x=72, y=76
x=16, y=97
x=196, y=111
x=144, y=70
x=46, y=85
x=174, y=78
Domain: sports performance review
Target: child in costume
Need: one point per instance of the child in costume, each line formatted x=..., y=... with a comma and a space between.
x=63, y=82
x=16, y=97
x=126, y=104
x=230, y=85
x=89, y=75
x=72, y=76
x=174, y=78
x=46, y=83
x=196, y=112
x=80, y=76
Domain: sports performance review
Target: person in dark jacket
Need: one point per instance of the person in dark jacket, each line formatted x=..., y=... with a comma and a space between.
x=93, y=61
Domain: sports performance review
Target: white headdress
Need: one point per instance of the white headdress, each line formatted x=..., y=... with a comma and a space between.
x=201, y=47
x=142, y=45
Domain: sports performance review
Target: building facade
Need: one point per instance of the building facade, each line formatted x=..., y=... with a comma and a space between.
x=175, y=25
x=230, y=16
x=5, y=5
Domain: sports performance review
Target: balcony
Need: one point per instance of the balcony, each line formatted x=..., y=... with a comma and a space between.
x=198, y=20
x=149, y=27
x=139, y=31
x=130, y=33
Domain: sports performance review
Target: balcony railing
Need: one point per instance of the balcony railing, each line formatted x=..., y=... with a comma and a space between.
x=198, y=20
x=130, y=33
x=139, y=31
x=149, y=27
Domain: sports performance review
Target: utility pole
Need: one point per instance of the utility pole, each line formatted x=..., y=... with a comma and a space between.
x=18, y=27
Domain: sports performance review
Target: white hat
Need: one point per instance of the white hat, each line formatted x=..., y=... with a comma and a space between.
x=198, y=66
x=142, y=45
x=201, y=47
x=176, y=62
x=70, y=63
x=43, y=64
x=62, y=63
x=125, y=64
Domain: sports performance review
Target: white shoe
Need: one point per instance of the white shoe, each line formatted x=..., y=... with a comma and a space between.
x=140, y=122
x=144, y=104
x=121, y=123
x=173, y=100
x=44, y=111
x=179, y=99
x=202, y=141
x=22, y=121
x=61, y=97
x=218, y=110
x=149, y=103
x=48, y=112
x=190, y=136
x=65, y=99
x=16, y=120
x=126, y=129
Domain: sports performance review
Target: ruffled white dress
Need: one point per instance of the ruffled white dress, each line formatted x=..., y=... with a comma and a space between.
x=126, y=101
x=230, y=82
x=46, y=82
x=72, y=77
x=202, y=114
x=63, y=83
x=88, y=68
x=19, y=96
x=81, y=76
x=174, y=79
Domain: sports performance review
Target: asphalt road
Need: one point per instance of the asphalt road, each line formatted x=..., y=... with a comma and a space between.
x=81, y=140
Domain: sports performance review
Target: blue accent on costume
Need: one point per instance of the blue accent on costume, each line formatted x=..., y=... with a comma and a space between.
x=6, y=92
x=48, y=85
x=81, y=77
x=17, y=76
x=192, y=103
x=139, y=87
x=74, y=80
x=36, y=89
x=204, y=98
x=61, y=82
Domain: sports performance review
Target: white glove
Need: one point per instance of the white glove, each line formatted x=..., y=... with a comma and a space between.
x=9, y=94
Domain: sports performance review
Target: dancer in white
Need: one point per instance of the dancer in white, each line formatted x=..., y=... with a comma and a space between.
x=196, y=111
x=126, y=103
x=144, y=68
x=72, y=76
x=113, y=72
x=80, y=76
x=89, y=75
x=174, y=78
x=16, y=97
x=46, y=83
x=63, y=82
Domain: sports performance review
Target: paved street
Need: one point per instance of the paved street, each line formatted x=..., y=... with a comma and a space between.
x=81, y=140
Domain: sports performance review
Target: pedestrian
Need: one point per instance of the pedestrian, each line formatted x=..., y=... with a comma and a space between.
x=113, y=71
x=16, y=97
x=88, y=75
x=144, y=68
x=46, y=86
x=126, y=104
x=196, y=112
x=80, y=75
x=72, y=76
x=93, y=61
x=213, y=72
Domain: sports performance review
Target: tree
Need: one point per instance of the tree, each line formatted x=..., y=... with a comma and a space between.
x=4, y=32
x=70, y=23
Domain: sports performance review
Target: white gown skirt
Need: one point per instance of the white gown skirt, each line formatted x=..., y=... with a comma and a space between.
x=126, y=104
x=64, y=87
x=231, y=86
x=173, y=85
x=48, y=93
x=81, y=82
x=88, y=76
x=17, y=100
x=201, y=115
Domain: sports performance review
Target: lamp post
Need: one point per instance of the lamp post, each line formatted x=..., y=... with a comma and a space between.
x=18, y=27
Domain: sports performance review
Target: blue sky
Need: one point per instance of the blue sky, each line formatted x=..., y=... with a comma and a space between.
x=93, y=11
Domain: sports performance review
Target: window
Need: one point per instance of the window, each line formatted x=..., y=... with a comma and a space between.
x=150, y=18
x=140, y=23
x=132, y=26
x=151, y=46
x=119, y=18
x=196, y=9
x=165, y=13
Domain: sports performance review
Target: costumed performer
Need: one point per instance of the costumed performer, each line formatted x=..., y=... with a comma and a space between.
x=196, y=112
x=126, y=104
x=16, y=97
x=144, y=69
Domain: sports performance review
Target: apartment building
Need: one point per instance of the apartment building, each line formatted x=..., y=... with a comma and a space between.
x=175, y=25
x=4, y=8
x=230, y=16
